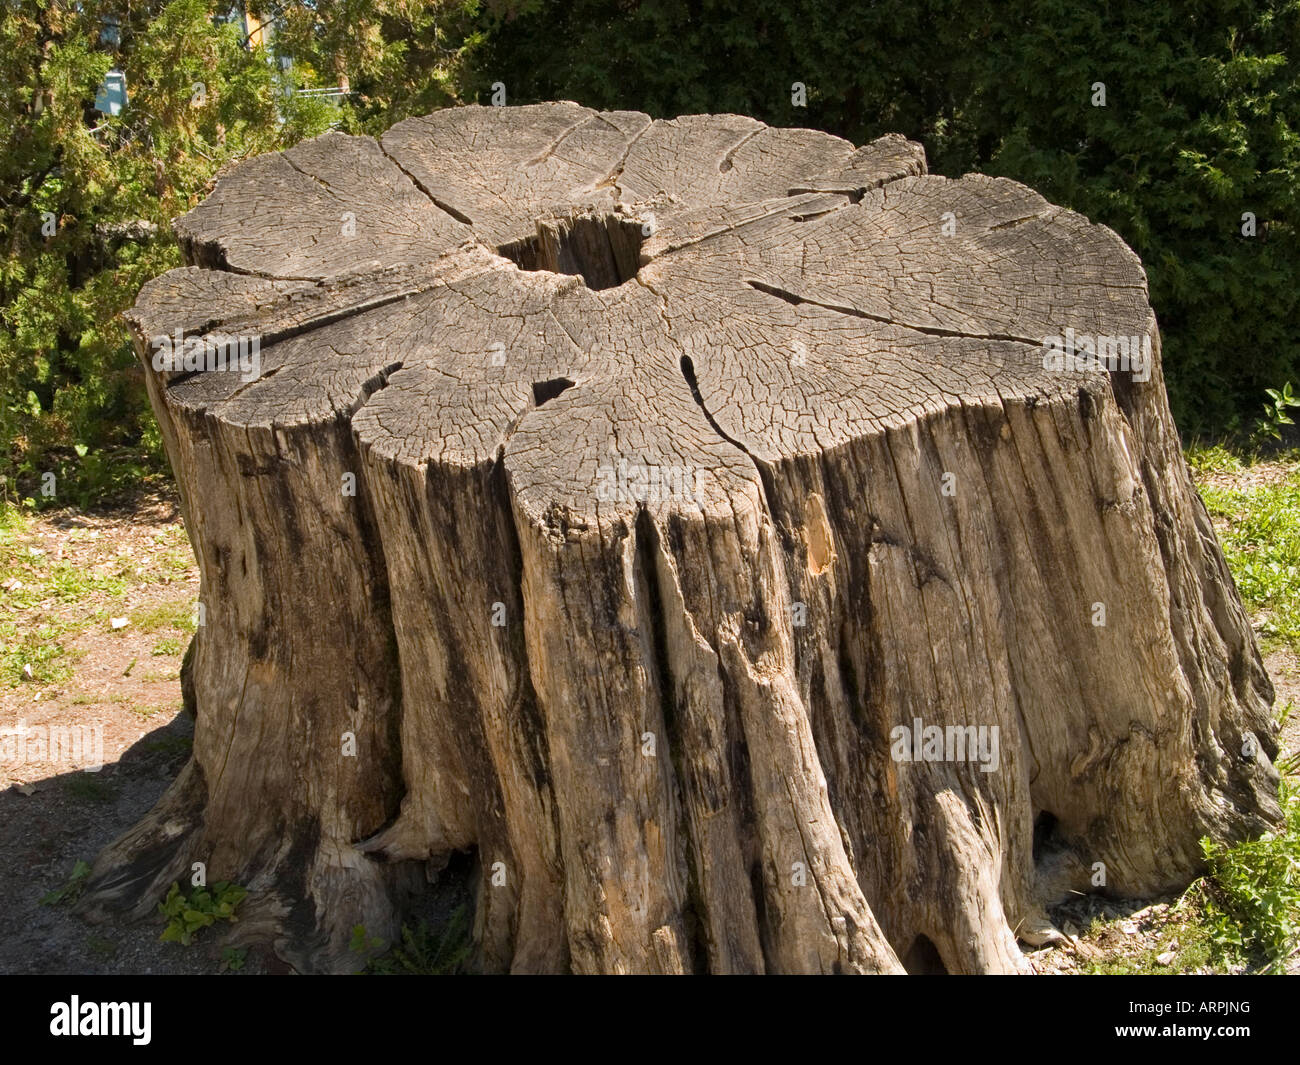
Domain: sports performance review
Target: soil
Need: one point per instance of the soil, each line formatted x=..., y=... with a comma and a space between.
x=125, y=682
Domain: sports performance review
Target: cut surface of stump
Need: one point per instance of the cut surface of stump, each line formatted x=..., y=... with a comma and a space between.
x=678, y=516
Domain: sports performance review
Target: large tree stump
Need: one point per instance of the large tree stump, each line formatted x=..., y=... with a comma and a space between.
x=694, y=460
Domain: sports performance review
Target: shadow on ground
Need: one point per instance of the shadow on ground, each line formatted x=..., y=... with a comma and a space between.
x=70, y=817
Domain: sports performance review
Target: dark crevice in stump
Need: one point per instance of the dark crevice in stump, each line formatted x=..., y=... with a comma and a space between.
x=604, y=250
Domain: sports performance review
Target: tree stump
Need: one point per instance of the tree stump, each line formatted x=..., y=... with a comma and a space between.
x=687, y=519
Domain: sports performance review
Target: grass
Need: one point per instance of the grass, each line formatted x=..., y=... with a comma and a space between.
x=90, y=787
x=1252, y=893
x=47, y=600
x=177, y=614
x=1206, y=459
x=100, y=947
x=98, y=700
x=1288, y=762
x=71, y=584
x=32, y=630
x=145, y=712
x=1243, y=916
x=36, y=649
x=1250, y=899
x=172, y=746
x=1259, y=529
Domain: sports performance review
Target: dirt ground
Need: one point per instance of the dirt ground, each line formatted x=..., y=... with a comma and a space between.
x=121, y=685
x=136, y=565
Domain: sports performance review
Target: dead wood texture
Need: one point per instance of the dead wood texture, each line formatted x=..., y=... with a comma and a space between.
x=692, y=461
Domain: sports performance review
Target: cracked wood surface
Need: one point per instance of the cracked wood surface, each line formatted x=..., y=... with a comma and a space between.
x=662, y=721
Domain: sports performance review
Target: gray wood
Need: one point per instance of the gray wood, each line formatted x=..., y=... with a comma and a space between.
x=872, y=446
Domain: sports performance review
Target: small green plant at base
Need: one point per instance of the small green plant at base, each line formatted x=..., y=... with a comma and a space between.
x=364, y=943
x=186, y=915
x=424, y=951
x=1252, y=896
x=72, y=890
x=101, y=947
x=1269, y=427
x=233, y=958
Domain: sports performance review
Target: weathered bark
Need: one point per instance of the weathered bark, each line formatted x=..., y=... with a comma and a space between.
x=665, y=718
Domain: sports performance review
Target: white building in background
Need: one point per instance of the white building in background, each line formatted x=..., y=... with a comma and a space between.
x=111, y=98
